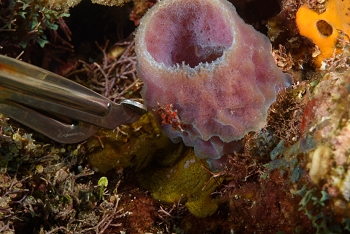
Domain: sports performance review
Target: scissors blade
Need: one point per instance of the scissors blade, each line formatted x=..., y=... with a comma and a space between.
x=27, y=93
x=56, y=130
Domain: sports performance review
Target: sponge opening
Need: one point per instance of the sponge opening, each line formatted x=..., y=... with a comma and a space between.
x=190, y=33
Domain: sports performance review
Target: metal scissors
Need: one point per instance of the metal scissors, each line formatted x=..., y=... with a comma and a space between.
x=57, y=107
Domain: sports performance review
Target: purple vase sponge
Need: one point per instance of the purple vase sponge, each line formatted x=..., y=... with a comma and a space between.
x=199, y=57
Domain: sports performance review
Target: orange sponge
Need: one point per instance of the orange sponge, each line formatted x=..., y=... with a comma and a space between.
x=323, y=28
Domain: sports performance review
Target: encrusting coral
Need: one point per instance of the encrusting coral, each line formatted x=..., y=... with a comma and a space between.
x=329, y=125
x=326, y=28
x=214, y=72
x=326, y=126
x=322, y=151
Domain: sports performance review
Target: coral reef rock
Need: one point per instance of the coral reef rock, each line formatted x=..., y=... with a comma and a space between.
x=328, y=125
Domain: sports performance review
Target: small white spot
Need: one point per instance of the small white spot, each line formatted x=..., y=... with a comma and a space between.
x=188, y=162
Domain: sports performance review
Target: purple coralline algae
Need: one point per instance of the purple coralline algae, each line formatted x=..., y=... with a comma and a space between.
x=217, y=72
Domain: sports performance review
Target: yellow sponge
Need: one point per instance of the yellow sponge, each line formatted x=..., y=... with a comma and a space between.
x=323, y=28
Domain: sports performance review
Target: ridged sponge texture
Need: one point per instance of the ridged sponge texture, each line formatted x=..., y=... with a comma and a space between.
x=216, y=71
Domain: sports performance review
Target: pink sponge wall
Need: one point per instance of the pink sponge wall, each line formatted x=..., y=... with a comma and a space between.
x=216, y=71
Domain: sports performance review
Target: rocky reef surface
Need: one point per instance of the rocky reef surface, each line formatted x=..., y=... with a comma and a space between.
x=289, y=174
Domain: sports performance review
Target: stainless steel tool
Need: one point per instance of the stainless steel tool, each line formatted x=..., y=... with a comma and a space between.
x=57, y=107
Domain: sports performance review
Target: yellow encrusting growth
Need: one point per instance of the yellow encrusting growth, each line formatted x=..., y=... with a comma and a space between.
x=187, y=180
x=323, y=29
x=133, y=145
x=110, y=2
x=65, y=5
x=169, y=171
